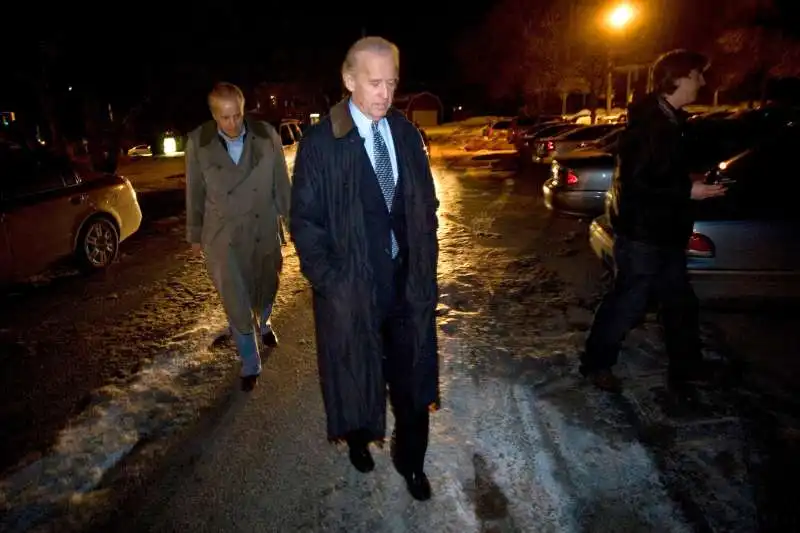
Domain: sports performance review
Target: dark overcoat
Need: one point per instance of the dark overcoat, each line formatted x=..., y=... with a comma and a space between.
x=327, y=227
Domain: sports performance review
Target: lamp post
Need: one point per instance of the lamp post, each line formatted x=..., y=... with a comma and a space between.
x=617, y=20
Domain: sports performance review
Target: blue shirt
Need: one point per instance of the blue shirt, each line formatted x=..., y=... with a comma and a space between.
x=364, y=125
x=235, y=146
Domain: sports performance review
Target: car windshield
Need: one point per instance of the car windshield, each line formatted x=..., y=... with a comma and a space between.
x=610, y=138
x=747, y=198
x=589, y=133
x=710, y=142
x=526, y=121
x=550, y=131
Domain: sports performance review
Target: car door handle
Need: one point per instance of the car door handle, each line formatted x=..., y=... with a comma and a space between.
x=77, y=199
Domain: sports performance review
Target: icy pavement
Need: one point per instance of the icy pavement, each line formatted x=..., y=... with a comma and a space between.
x=182, y=372
x=521, y=444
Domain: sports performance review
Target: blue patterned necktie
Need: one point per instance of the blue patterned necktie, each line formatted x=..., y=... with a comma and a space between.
x=383, y=170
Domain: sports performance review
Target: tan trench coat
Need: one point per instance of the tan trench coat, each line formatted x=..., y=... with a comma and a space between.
x=233, y=212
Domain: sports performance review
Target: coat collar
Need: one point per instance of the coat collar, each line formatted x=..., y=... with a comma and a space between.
x=208, y=131
x=342, y=121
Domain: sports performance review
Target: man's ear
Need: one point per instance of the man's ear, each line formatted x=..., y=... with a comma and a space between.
x=349, y=81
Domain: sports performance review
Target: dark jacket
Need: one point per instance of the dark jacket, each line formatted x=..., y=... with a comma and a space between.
x=652, y=186
x=331, y=238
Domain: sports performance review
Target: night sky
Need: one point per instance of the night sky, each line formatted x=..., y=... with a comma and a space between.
x=130, y=50
x=265, y=42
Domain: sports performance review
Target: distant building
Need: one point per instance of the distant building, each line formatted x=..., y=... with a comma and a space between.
x=7, y=117
x=423, y=108
x=287, y=100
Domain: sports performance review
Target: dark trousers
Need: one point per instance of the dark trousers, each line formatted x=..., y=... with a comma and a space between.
x=411, y=423
x=645, y=271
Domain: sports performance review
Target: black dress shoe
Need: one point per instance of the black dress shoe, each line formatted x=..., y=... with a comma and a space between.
x=418, y=486
x=249, y=382
x=269, y=339
x=362, y=459
x=700, y=373
x=604, y=380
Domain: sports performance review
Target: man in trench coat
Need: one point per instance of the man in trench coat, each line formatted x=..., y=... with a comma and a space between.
x=237, y=187
x=363, y=221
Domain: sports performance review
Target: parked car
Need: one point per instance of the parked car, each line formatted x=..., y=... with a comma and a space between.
x=607, y=143
x=579, y=180
x=548, y=147
x=527, y=140
x=747, y=243
x=290, y=131
x=497, y=129
x=523, y=123
x=51, y=211
x=140, y=150
x=578, y=183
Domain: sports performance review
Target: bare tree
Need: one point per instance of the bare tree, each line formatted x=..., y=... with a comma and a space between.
x=751, y=45
x=512, y=53
x=529, y=48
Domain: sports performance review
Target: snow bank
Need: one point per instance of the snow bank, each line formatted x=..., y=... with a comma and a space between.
x=158, y=400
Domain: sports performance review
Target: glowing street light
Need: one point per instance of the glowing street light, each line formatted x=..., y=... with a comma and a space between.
x=620, y=16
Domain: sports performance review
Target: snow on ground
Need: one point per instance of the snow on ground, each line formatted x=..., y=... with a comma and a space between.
x=536, y=465
x=118, y=419
x=472, y=124
x=520, y=445
x=466, y=135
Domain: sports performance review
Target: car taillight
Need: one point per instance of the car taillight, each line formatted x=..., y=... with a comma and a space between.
x=551, y=146
x=572, y=179
x=700, y=246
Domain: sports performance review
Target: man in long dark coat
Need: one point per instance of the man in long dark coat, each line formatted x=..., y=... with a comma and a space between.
x=363, y=220
x=237, y=187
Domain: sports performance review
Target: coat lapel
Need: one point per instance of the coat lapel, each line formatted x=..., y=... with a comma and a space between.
x=219, y=155
x=251, y=155
x=403, y=165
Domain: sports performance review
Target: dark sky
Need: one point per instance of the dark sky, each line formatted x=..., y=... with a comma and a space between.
x=287, y=38
x=176, y=46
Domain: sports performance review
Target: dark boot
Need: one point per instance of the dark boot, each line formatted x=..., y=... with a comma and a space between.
x=269, y=339
x=604, y=380
x=249, y=383
x=358, y=445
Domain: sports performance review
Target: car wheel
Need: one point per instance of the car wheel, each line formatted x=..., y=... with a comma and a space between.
x=98, y=244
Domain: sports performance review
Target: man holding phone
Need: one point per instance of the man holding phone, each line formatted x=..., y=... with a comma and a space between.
x=652, y=220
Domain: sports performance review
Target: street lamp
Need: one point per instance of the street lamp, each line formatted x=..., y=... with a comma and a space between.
x=618, y=19
x=620, y=16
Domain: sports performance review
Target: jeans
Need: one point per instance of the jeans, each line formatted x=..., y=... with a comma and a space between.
x=645, y=271
x=247, y=343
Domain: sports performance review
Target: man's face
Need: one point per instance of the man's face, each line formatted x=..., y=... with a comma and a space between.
x=689, y=86
x=372, y=83
x=229, y=115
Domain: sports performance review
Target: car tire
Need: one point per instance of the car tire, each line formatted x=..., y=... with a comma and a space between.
x=98, y=244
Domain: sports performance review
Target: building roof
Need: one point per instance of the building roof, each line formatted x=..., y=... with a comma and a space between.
x=404, y=100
